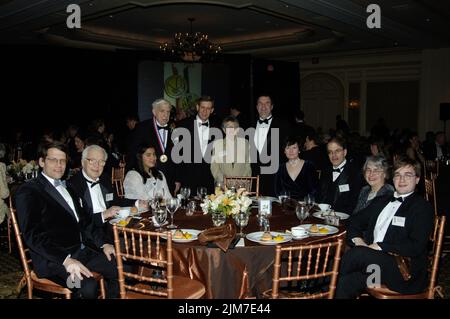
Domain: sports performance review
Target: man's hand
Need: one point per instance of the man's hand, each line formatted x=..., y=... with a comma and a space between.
x=358, y=241
x=108, y=250
x=110, y=212
x=75, y=268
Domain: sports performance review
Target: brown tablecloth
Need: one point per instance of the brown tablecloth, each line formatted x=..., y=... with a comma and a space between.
x=241, y=271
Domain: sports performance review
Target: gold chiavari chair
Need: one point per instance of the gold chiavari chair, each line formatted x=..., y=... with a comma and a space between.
x=250, y=183
x=117, y=178
x=430, y=292
x=294, y=264
x=31, y=280
x=146, y=249
x=430, y=191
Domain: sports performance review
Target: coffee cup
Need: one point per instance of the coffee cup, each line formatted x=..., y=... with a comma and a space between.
x=124, y=213
x=298, y=231
x=324, y=207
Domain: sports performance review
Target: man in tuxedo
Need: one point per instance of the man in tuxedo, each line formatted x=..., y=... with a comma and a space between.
x=64, y=242
x=392, y=225
x=438, y=149
x=341, y=181
x=93, y=188
x=157, y=132
x=268, y=145
x=196, y=168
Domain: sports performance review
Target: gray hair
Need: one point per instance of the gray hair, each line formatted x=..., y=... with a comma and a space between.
x=84, y=155
x=2, y=150
x=379, y=161
x=159, y=102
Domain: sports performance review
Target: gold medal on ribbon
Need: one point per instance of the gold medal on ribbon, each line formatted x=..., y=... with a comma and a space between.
x=163, y=158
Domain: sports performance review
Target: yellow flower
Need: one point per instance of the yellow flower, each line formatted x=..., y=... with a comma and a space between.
x=226, y=201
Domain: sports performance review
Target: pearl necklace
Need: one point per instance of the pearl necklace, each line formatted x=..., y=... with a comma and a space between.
x=294, y=162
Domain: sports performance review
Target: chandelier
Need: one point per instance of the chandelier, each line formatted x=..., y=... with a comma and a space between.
x=190, y=46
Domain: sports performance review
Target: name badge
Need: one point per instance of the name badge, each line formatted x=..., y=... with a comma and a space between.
x=344, y=188
x=81, y=202
x=398, y=221
x=109, y=197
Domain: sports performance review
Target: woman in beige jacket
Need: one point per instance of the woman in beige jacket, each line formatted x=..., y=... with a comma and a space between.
x=231, y=155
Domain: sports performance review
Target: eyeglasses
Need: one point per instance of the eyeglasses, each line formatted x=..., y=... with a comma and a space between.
x=369, y=171
x=55, y=161
x=92, y=161
x=406, y=176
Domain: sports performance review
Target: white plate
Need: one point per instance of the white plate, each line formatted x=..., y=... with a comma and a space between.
x=322, y=215
x=116, y=221
x=193, y=232
x=256, y=237
x=331, y=229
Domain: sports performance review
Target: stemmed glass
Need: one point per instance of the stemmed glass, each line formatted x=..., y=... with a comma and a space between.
x=159, y=196
x=172, y=205
x=309, y=201
x=185, y=192
x=201, y=192
x=283, y=198
x=160, y=215
x=241, y=220
x=301, y=212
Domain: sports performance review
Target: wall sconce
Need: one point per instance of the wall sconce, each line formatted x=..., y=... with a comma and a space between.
x=354, y=104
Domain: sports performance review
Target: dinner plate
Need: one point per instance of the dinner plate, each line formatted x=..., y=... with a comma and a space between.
x=193, y=232
x=322, y=215
x=117, y=221
x=329, y=229
x=256, y=237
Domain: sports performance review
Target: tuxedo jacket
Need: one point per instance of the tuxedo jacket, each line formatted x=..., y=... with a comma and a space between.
x=49, y=227
x=198, y=174
x=267, y=181
x=145, y=133
x=410, y=240
x=342, y=194
x=79, y=186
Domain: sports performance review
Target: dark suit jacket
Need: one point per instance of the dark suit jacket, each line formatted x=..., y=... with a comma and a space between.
x=408, y=241
x=329, y=191
x=196, y=174
x=145, y=134
x=267, y=181
x=80, y=188
x=49, y=227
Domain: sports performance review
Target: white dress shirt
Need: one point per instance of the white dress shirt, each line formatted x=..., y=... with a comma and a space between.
x=262, y=129
x=341, y=167
x=98, y=202
x=65, y=194
x=203, y=133
x=385, y=218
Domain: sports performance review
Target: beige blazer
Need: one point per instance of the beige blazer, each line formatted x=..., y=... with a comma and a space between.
x=230, y=158
x=4, y=192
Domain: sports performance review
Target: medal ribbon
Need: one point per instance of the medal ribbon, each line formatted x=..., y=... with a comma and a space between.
x=161, y=141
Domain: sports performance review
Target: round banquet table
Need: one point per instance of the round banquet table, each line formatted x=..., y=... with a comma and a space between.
x=241, y=271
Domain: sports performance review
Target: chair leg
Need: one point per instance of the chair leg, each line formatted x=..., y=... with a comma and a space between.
x=9, y=235
x=30, y=289
x=102, y=289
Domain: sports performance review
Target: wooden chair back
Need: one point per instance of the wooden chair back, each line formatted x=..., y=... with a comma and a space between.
x=117, y=178
x=430, y=192
x=305, y=263
x=144, y=248
x=431, y=168
x=31, y=280
x=250, y=183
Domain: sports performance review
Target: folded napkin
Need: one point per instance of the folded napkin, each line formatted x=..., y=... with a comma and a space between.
x=222, y=236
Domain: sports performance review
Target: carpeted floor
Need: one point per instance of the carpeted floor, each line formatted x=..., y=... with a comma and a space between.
x=11, y=271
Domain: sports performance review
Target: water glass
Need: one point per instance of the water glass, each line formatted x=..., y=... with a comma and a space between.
x=190, y=208
x=302, y=212
x=185, y=192
x=201, y=192
x=160, y=215
x=241, y=220
x=172, y=205
x=218, y=218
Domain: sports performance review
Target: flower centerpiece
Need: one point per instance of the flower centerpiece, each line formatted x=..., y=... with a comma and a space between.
x=228, y=203
x=21, y=168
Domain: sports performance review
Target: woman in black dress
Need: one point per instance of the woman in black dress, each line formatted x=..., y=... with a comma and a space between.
x=296, y=176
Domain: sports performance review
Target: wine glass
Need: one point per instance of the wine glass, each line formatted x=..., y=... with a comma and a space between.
x=185, y=192
x=241, y=220
x=302, y=212
x=171, y=206
x=159, y=196
x=160, y=215
x=201, y=192
x=283, y=198
x=309, y=201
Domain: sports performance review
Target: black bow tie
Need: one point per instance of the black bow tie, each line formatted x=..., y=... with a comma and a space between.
x=205, y=124
x=266, y=121
x=92, y=183
x=162, y=127
x=337, y=170
x=400, y=199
